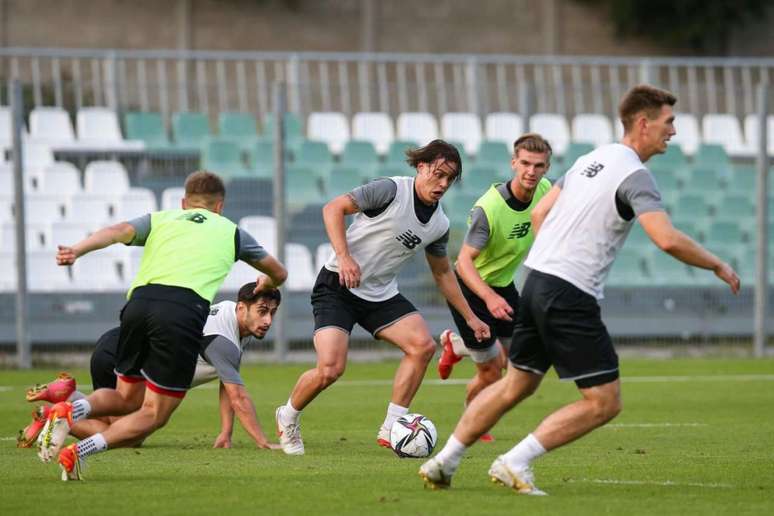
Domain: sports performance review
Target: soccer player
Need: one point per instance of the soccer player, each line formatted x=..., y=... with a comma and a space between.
x=394, y=219
x=581, y=224
x=498, y=239
x=188, y=252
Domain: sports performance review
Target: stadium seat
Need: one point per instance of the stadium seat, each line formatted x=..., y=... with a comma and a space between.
x=688, y=136
x=725, y=130
x=171, y=198
x=493, y=153
x=751, y=133
x=190, y=130
x=553, y=127
x=8, y=266
x=672, y=160
x=68, y=233
x=52, y=126
x=129, y=263
x=503, y=127
x=148, y=128
x=106, y=178
x=712, y=156
x=302, y=184
x=6, y=129
x=315, y=156
x=478, y=178
x=37, y=235
x=135, y=203
x=704, y=181
x=6, y=209
x=248, y=196
x=261, y=158
x=98, y=128
x=224, y=157
x=664, y=270
x=573, y=152
x=37, y=156
x=464, y=128
x=376, y=128
x=743, y=179
x=638, y=240
x=239, y=128
x=322, y=255
x=44, y=275
x=6, y=181
x=294, y=133
x=263, y=229
x=92, y=208
x=342, y=179
x=666, y=181
x=592, y=128
x=98, y=272
x=722, y=235
x=457, y=204
x=627, y=270
x=299, y=260
x=306, y=226
x=418, y=127
x=329, y=127
x=361, y=155
x=396, y=155
x=43, y=208
x=735, y=207
x=61, y=178
x=690, y=208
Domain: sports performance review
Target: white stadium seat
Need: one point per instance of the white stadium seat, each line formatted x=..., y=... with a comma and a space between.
x=171, y=198
x=135, y=203
x=98, y=128
x=464, y=128
x=52, y=126
x=552, y=127
x=262, y=229
x=8, y=266
x=37, y=156
x=129, y=263
x=298, y=260
x=688, y=136
x=6, y=129
x=592, y=128
x=43, y=208
x=68, y=233
x=751, y=133
x=98, y=271
x=37, y=236
x=44, y=275
x=6, y=208
x=61, y=178
x=724, y=129
x=91, y=208
x=329, y=127
x=420, y=128
x=105, y=177
x=503, y=127
x=376, y=128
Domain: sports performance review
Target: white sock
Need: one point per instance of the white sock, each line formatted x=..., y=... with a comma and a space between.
x=458, y=345
x=393, y=412
x=288, y=414
x=81, y=409
x=523, y=453
x=76, y=395
x=91, y=445
x=451, y=455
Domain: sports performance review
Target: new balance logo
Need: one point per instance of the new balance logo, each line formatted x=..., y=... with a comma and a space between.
x=194, y=217
x=408, y=239
x=593, y=169
x=519, y=230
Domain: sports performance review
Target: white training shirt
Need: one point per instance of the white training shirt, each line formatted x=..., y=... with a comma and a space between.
x=222, y=322
x=584, y=231
x=381, y=244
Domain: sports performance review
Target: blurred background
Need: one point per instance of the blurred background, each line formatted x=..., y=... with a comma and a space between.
x=117, y=101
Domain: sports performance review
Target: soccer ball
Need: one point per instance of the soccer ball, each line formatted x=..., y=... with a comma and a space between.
x=413, y=435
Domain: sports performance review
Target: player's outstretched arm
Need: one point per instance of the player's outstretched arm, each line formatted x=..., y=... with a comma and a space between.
x=543, y=207
x=245, y=411
x=226, y=420
x=669, y=239
x=450, y=288
x=495, y=303
x=334, y=214
x=122, y=232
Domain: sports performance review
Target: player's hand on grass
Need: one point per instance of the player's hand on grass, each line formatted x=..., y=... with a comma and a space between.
x=222, y=441
x=727, y=274
x=349, y=272
x=65, y=255
x=269, y=446
x=479, y=327
x=499, y=308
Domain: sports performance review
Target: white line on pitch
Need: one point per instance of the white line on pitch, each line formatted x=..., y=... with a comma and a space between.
x=668, y=483
x=5, y=388
x=651, y=425
x=8, y=438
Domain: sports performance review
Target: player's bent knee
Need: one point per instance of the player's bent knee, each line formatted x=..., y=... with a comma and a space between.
x=423, y=348
x=329, y=374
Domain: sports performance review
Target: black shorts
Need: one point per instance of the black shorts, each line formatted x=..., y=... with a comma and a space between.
x=497, y=327
x=161, y=334
x=103, y=360
x=335, y=306
x=558, y=324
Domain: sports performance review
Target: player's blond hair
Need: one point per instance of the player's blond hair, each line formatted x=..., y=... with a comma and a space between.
x=532, y=142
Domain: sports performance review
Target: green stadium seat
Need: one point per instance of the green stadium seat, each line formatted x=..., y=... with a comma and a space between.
x=397, y=151
x=147, y=127
x=736, y=207
x=302, y=187
x=496, y=154
x=294, y=131
x=664, y=270
x=478, y=179
x=342, y=179
x=238, y=127
x=574, y=151
x=224, y=157
x=638, y=240
x=743, y=179
x=703, y=180
x=691, y=209
x=627, y=269
x=720, y=235
x=317, y=156
x=666, y=181
x=190, y=130
x=361, y=155
x=457, y=205
x=712, y=156
x=673, y=158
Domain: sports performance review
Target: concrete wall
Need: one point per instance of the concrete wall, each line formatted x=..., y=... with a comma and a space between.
x=447, y=26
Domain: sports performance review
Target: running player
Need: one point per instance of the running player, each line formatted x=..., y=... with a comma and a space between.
x=395, y=218
x=188, y=252
x=497, y=241
x=581, y=224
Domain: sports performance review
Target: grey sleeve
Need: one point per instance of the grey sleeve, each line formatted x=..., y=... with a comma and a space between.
x=249, y=249
x=640, y=192
x=374, y=195
x=142, y=227
x=438, y=248
x=224, y=356
x=478, y=232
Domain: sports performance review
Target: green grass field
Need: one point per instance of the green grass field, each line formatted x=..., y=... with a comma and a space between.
x=696, y=436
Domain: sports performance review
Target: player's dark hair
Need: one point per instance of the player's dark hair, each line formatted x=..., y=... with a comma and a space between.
x=643, y=98
x=434, y=150
x=206, y=186
x=249, y=297
x=532, y=142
